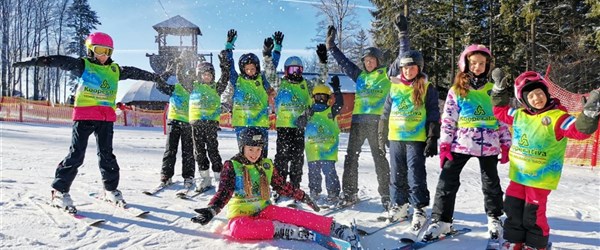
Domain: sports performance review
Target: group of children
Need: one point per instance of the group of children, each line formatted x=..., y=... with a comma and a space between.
x=394, y=107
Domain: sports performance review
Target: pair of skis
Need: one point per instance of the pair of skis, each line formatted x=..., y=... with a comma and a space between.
x=183, y=193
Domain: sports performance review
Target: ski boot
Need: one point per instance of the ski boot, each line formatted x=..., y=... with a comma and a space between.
x=115, y=197
x=63, y=200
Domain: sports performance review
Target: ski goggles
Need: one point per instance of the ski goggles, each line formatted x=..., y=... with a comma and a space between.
x=321, y=98
x=102, y=50
x=294, y=70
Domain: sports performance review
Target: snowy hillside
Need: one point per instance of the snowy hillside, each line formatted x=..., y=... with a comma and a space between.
x=30, y=152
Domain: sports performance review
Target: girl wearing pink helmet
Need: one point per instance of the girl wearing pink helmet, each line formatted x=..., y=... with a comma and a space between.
x=469, y=129
x=540, y=130
x=94, y=112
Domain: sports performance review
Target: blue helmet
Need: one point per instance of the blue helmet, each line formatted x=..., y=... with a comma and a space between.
x=293, y=68
x=249, y=58
x=293, y=61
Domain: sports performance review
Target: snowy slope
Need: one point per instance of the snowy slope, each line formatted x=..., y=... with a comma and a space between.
x=30, y=152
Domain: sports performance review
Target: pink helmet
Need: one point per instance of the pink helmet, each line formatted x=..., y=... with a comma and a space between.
x=462, y=59
x=525, y=79
x=99, y=38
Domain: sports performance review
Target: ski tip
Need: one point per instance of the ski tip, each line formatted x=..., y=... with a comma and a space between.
x=407, y=240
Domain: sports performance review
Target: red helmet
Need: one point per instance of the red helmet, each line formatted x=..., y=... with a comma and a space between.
x=525, y=79
x=99, y=38
x=462, y=59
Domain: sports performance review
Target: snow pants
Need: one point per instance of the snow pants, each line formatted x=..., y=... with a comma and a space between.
x=449, y=182
x=206, y=145
x=265, y=133
x=260, y=227
x=332, y=181
x=358, y=133
x=408, y=177
x=289, y=158
x=526, y=219
x=109, y=169
x=176, y=131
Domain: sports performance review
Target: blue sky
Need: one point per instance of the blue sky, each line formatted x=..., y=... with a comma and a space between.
x=130, y=24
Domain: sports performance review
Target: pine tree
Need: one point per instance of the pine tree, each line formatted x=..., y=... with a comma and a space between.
x=82, y=20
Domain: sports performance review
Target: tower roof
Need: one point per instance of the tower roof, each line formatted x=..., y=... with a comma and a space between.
x=177, y=25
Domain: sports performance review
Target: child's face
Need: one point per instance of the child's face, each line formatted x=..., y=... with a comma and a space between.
x=410, y=72
x=537, y=98
x=101, y=58
x=250, y=69
x=206, y=77
x=370, y=63
x=252, y=153
x=477, y=63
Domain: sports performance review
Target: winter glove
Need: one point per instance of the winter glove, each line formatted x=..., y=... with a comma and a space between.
x=278, y=37
x=306, y=200
x=204, y=215
x=335, y=84
x=382, y=135
x=445, y=154
x=224, y=62
x=322, y=53
x=501, y=82
x=231, y=37
x=591, y=106
x=504, y=154
x=268, y=46
x=330, y=39
x=401, y=23
x=431, y=147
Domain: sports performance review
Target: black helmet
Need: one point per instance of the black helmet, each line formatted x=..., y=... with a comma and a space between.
x=251, y=137
x=374, y=52
x=249, y=58
x=412, y=57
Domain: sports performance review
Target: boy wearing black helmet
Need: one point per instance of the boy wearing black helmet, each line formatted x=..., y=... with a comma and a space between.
x=251, y=88
x=205, y=114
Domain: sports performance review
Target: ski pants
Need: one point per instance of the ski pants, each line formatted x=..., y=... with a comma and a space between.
x=526, y=215
x=449, y=182
x=332, y=181
x=289, y=158
x=358, y=133
x=206, y=145
x=265, y=133
x=408, y=177
x=176, y=131
x=260, y=227
x=109, y=169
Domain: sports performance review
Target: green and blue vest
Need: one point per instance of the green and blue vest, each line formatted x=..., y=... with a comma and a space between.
x=98, y=85
x=250, y=104
x=407, y=123
x=242, y=204
x=205, y=103
x=371, y=90
x=322, y=137
x=179, y=104
x=292, y=100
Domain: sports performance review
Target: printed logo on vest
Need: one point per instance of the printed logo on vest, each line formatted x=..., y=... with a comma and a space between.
x=105, y=84
x=524, y=142
x=479, y=110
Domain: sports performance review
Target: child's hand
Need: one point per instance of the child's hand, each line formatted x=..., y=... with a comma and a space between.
x=335, y=83
x=330, y=39
x=204, y=216
x=278, y=37
x=501, y=82
x=445, y=154
x=231, y=37
x=401, y=23
x=268, y=46
x=322, y=53
x=431, y=147
x=504, y=154
x=591, y=106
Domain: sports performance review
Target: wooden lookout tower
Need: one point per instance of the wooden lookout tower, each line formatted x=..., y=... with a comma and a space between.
x=177, y=37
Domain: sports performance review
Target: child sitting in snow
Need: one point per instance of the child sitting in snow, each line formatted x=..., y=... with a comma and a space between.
x=245, y=186
x=536, y=157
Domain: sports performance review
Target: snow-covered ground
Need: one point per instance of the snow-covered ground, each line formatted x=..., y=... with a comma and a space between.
x=30, y=152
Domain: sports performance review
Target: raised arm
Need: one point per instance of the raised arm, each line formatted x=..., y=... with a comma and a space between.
x=270, y=68
x=74, y=65
x=229, y=46
x=403, y=44
x=347, y=66
x=337, y=93
x=224, y=79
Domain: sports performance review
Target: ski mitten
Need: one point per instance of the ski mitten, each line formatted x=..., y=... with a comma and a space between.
x=231, y=37
x=204, y=216
x=504, y=154
x=445, y=154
